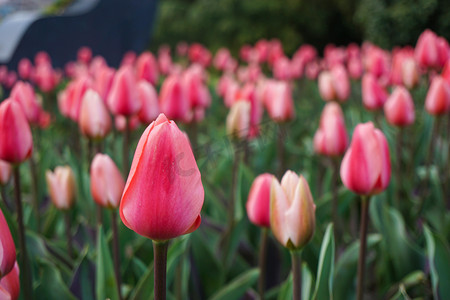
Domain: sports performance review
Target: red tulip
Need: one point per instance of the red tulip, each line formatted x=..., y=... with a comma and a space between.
x=149, y=99
x=277, y=97
x=7, y=248
x=399, y=108
x=24, y=94
x=169, y=205
x=437, y=101
x=107, y=183
x=10, y=285
x=25, y=68
x=94, y=121
x=5, y=172
x=431, y=51
x=122, y=98
x=366, y=167
x=331, y=138
x=61, y=186
x=373, y=93
x=147, y=68
x=173, y=99
x=258, y=203
x=16, y=142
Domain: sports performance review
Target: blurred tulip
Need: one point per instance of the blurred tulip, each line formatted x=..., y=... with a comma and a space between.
x=169, y=205
x=258, y=202
x=164, y=60
x=173, y=99
x=128, y=59
x=199, y=54
x=182, y=48
x=373, y=93
x=120, y=122
x=238, y=120
x=355, y=68
x=225, y=81
x=103, y=82
x=334, y=84
x=410, y=73
x=197, y=92
x=326, y=88
x=25, y=68
x=123, y=99
x=248, y=93
x=431, y=51
x=437, y=101
x=84, y=55
x=16, y=142
x=366, y=167
x=23, y=93
x=42, y=58
x=61, y=187
x=221, y=58
x=69, y=102
x=292, y=211
x=399, y=108
x=11, y=79
x=376, y=61
x=45, y=77
x=331, y=138
x=282, y=69
x=147, y=68
x=107, y=183
x=10, y=284
x=5, y=172
x=277, y=97
x=7, y=248
x=149, y=99
x=94, y=121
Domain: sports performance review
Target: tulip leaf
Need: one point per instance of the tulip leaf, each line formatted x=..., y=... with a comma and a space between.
x=237, y=288
x=325, y=270
x=82, y=283
x=106, y=285
x=52, y=286
x=438, y=253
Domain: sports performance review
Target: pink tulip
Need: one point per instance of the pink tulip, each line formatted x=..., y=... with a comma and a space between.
x=25, y=68
x=23, y=93
x=69, y=102
x=61, y=186
x=42, y=58
x=5, y=172
x=334, y=84
x=431, y=51
x=123, y=99
x=94, y=120
x=16, y=142
x=121, y=122
x=11, y=79
x=437, y=101
x=196, y=91
x=282, y=69
x=410, y=73
x=258, y=203
x=376, y=61
x=149, y=99
x=97, y=64
x=366, y=167
x=10, y=285
x=248, y=93
x=182, y=48
x=107, y=183
x=326, y=88
x=277, y=98
x=173, y=99
x=84, y=55
x=164, y=60
x=331, y=138
x=238, y=120
x=103, y=81
x=292, y=211
x=147, y=68
x=128, y=59
x=7, y=248
x=221, y=58
x=169, y=205
x=225, y=81
x=199, y=54
x=399, y=108
x=374, y=94
x=355, y=67
x=45, y=77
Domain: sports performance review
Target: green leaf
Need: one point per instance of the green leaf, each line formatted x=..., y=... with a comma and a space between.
x=106, y=285
x=307, y=282
x=83, y=278
x=237, y=288
x=52, y=286
x=325, y=271
x=286, y=289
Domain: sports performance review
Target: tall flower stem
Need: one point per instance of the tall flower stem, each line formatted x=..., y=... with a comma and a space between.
x=362, y=248
x=262, y=262
x=99, y=210
x=116, y=251
x=68, y=234
x=24, y=264
x=160, y=265
x=125, y=149
x=34, y=190
x=296, y=275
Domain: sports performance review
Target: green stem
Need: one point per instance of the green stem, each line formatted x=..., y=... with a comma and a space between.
x=24, y=263
x=362, y=248
x=232, y=204
x=34, y=190
x=5, y=199
x=160, y=266
x=399, y=188
x=125, y=150
x=335, y=215
x=68, y=234
x=116, y=251
x=262, y=262
x=179, y=279
x=296, y=275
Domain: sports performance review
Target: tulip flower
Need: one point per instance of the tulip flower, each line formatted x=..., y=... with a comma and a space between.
x=122, y=98
x=94, y=120
x=15, y=134
x=238, y=120
x=84, y=55
x=431, y=51
x=149, y=99
x=334, y=84
x=25, y=68
x=399, y=108
x=437, y=101
x=173, y=99
x=373, y=93
x=7, y=248
x=24, y=94
x=277, y=98
x=147, y=68
x=61, y=186
x=10, y=284
x=258, y=203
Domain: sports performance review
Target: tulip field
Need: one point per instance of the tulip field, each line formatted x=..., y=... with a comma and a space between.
x=197, y=174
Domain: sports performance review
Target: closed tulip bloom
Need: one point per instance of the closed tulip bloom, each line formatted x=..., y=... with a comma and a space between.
x=238, y=120
x=431, y=51
x=437, y=101
x=84, y=55
x=410, y=73
x=7, y=248
x=106, y=181
x=25, y=68
x=258, y=202
x=147, y=68
x=278, y=101
x=16, y=142
x=61, y=186
x=95, y=121
x=169, y=204
x=399, y=108
x=149, y=99
x=103, y=82
x=45, y=77
x=341, y=83
x=331, y=138
x=374, y=94
x=10, y=285
x=23, y=93
x=326, y=88
x=292, y=211
x=366, y=167
x=173, y=99
x=122, y=98
x=5, y=172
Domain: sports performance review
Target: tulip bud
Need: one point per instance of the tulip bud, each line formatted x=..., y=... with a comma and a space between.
x=10, y=284
x=169, y=204
x=147, y=68
x=106, y=181
x=149, y=99
x=399, y=108
x=122, y=98
x=373, y=93
x=331, y=138
x=23, y=93
x=410, y=73
x=437, y=101
x=5, y=172
x=258, y=203
x=16, y=142
x=238, y=120
x=292, y=211
x=7, y=248
x=25, y=68
x=277, y=97
x=326, y=88
x=366, y=167
x=173, y=100
x=61, y=185
x=94, y=121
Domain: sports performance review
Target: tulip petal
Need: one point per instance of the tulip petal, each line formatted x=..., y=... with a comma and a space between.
x=278, y=206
